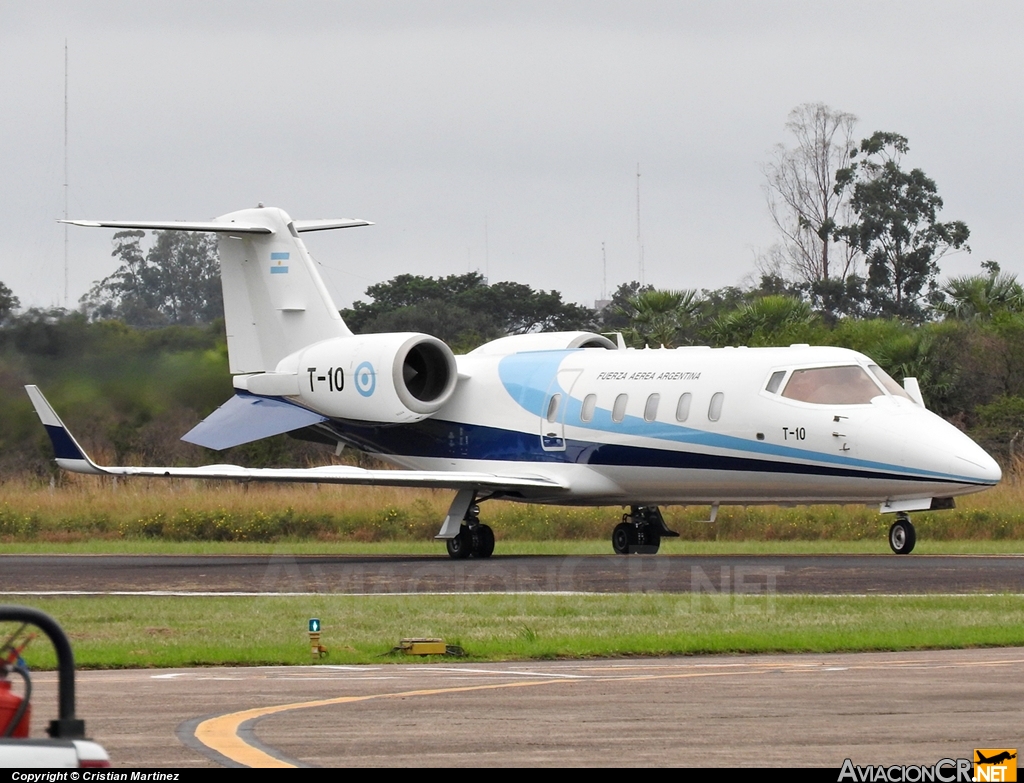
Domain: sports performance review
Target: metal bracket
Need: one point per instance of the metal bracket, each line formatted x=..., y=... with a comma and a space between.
x=714, y=514
x=456, y=513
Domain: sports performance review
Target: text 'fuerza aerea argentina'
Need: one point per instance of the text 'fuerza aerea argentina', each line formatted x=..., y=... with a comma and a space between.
x=642, y=375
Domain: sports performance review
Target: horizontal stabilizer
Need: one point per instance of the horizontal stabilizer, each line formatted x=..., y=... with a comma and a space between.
x=247, y=417
x=174, y=225
x=218, y=227
x=325, y=225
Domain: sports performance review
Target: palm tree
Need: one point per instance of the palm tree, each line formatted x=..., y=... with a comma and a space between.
x=765, y=321
x=979, y=297
x=664, y=318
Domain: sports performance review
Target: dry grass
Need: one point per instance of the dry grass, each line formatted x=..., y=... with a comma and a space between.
x=83, y=508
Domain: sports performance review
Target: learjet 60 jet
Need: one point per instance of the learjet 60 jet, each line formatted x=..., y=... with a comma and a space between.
x=568, y=418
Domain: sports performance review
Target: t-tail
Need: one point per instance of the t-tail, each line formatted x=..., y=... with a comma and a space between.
x=296, y=364
x=275, y=301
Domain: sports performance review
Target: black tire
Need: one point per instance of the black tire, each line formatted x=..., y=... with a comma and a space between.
x=623, y=538
x=652, y=542
x=902, y=537
x=483, y=541
x=459, y=547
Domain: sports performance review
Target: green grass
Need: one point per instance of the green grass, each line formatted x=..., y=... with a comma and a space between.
x=170, y=632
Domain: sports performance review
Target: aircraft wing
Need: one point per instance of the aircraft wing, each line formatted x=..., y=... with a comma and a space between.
x=71, y=456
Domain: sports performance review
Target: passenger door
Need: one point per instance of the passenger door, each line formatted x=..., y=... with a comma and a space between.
x=556, y=406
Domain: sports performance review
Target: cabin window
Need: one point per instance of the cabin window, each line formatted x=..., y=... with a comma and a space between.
x=587, y=411
x=619, y=408
x=888, y=382
x=715, y=408
x=683, y=407
x=553, y=406
x=775, y=381
x=850, y=385
x=651, y=408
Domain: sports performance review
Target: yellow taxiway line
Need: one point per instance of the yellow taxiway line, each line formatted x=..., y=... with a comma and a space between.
x=221, y=733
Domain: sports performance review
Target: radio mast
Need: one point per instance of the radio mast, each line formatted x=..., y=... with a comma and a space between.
x=65, y=173
x=639, y=237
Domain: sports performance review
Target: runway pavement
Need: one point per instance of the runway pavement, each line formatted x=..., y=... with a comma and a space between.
x=722, y=711
x=286, y=573
x=785, y=710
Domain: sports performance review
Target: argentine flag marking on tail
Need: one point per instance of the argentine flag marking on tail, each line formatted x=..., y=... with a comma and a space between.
x=280, y=268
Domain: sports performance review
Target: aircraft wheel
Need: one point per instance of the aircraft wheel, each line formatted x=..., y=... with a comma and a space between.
x=902, y=537
x=483, y=541
x=458, y=547
x=622, y=538
x=652, y=542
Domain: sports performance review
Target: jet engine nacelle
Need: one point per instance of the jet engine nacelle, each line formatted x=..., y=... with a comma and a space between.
x=381, y=378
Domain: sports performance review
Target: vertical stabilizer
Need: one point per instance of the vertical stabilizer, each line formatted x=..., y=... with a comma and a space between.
x=274, y=299
x=275, y=302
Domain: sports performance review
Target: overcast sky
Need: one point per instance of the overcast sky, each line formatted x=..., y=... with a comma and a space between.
x=500, y=137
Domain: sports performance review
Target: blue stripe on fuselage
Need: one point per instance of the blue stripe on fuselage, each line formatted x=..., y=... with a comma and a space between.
x=527, y=377
x=453, y=440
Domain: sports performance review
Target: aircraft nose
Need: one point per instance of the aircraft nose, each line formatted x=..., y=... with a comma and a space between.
x=969, y=460
x=929, y=440
x=978, y=464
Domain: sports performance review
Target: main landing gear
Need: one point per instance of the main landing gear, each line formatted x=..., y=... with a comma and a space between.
x=463, y=533
x=901, y=535
x=640, y=531
x=474, y=539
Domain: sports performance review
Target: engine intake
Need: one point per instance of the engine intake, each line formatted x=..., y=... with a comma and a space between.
x=425, y=373
x=380, y=378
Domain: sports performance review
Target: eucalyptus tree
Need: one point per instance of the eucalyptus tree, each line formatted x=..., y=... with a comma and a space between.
x=896, y=227
x=9, y=303
x=175, y=281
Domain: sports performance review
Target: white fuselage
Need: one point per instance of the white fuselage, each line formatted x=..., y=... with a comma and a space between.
x=532, y=418
x=611, y=426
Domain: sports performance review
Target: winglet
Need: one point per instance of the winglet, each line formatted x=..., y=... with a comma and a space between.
x=69, y=454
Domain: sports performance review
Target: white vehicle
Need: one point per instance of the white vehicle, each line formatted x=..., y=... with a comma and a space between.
x=52, y=754
x=67, y=746
x=567, y=418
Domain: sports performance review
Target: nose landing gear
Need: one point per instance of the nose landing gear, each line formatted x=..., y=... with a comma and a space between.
x=640, y=531
x=902, y=536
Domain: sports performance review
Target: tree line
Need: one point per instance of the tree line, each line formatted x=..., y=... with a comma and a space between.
x=856, y=264
x=136, y=390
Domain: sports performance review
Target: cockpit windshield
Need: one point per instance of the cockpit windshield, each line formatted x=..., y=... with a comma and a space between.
x=849, y=385
x=888, y=382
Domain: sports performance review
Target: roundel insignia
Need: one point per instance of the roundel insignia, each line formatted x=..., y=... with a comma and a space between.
x=366, y=379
